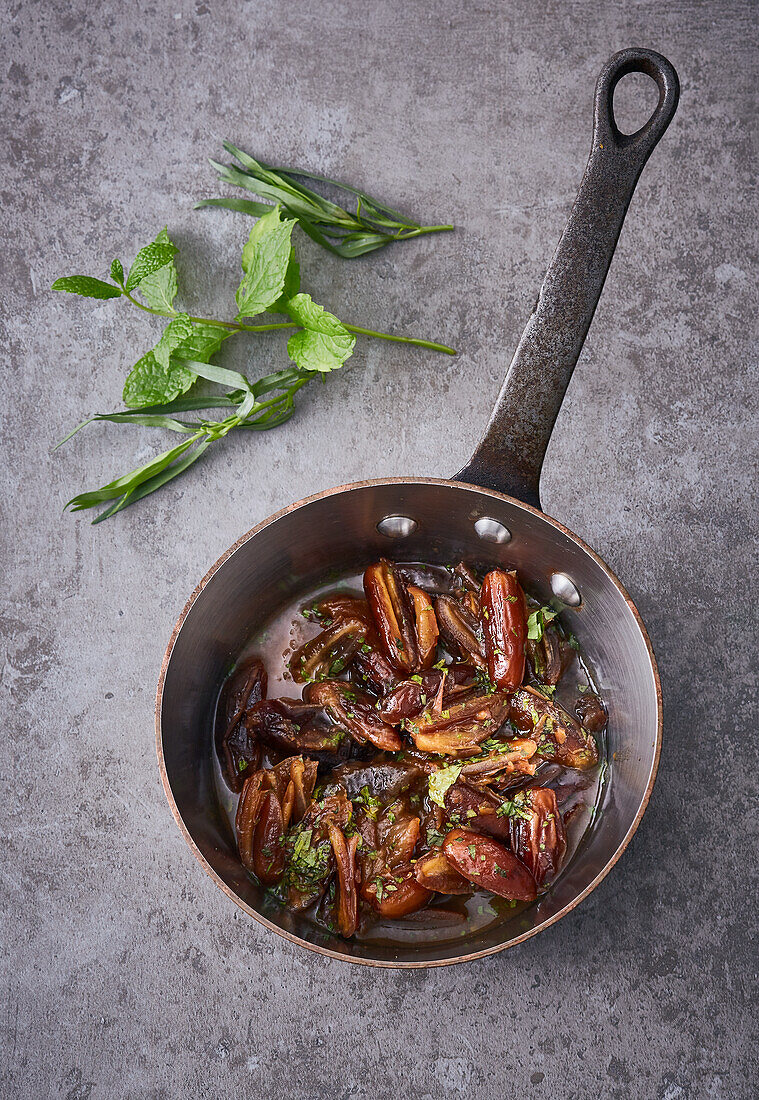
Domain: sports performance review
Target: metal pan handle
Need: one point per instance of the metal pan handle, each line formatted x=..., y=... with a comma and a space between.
x=510, y=455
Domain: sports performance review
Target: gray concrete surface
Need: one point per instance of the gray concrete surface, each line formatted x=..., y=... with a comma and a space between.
x=126, y=973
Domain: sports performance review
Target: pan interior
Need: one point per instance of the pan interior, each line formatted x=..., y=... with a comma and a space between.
x=338, y=532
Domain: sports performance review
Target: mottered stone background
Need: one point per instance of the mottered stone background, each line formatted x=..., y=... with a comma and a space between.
x=125, y=972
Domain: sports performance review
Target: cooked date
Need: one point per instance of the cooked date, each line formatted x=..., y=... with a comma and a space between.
x=466, y=577
x=293, y=781
x=549, y=656
x=505, y=627
x=399, y=841
x=475, y=809
x=427, y=632
x=372, y=667
x=384, y=779
x=489, y=865
x=591, y=712
x=410, y=697
x=461, y=630
x=345, y=858
x=246, y=818
x=393, y=615
x=510, y=757
x=395, y=893
x=537, y=832
x=268, y=852
x=434, y=872
x=559, y=736
x=354, y=712
x=460, y=728
x=339, y=606
x=329, y=652
x=292, y=726
x=430, y=756
x=239, y=754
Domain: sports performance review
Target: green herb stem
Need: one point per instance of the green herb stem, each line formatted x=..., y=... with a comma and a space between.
x=401, y=339
x=240, y=326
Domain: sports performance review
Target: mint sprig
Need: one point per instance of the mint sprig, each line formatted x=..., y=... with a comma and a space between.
x=155, y=388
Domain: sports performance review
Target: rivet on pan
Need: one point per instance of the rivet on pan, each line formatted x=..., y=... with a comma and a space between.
x=397, y=527
x=491, y=530
x=565, y=589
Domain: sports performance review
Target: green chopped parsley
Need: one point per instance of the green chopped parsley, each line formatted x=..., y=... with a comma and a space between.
x=537, y=622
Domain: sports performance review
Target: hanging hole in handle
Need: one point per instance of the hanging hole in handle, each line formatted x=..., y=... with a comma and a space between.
x=635, y=99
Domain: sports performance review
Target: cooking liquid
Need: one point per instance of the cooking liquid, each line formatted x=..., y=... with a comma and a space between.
x=449, y=917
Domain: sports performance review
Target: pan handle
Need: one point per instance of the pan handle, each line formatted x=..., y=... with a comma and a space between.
x=510, y=455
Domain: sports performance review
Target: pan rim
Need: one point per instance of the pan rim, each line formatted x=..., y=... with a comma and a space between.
x=382, y=963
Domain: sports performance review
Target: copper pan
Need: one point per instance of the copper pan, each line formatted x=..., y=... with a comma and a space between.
x=489, y=513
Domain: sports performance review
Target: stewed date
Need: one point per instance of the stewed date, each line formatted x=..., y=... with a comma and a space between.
x=489, y=865
x=505, y=627
x=431, y=755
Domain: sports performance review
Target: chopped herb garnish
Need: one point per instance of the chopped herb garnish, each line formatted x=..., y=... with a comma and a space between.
x=517, y=807
x=546, y=689
x=537, y=622
x=371, y=805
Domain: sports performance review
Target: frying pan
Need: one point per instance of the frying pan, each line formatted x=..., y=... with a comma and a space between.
x=490, y=512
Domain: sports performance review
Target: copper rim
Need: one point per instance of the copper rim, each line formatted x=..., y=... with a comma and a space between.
x=374, y=962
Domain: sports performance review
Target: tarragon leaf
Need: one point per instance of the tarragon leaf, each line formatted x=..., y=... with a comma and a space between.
x=265, y=261
x=230, y=378
x=175, y=333
x=323, y=344
x=159, y=288
x=166, y=474
x=151, y=258
x=86, y=286
x=129, y=482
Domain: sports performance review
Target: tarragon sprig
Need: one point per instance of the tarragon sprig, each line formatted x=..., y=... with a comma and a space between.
x=349, y=234
x=155, y=388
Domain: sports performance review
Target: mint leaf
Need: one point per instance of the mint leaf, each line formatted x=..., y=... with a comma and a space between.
x=323, y=344
x=175, y=333
x=265, y=260
x=87, y=287
x=157, y=377
x=291, y=287
x=159, y=289
x=117, y=272
x=151, y=258
x=149, y=383
x=441, y=780
x=292, y=277
x=202, y=342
